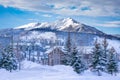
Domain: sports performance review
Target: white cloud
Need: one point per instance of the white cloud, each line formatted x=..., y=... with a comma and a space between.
x=110, y=24
x=31, y=19
x=63, y=7
x=47, y=15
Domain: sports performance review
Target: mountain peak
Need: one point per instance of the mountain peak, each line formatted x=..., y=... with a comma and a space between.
x=67, y=24
x=69, y=20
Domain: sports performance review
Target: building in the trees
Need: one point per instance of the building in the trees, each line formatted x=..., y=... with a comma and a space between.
x=55, y=56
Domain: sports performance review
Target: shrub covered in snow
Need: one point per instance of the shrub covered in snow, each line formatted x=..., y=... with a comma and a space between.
x=8, y=60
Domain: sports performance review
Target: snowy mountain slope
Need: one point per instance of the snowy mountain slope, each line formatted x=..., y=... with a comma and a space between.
x=67, y=24
x=111, y=43
x=38, y=36
x=28, y=26
x=117, y=35
x=71, y=25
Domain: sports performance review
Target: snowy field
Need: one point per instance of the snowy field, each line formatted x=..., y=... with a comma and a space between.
x=33, y=71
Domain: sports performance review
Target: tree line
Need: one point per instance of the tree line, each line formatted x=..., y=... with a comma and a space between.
x=103, y=59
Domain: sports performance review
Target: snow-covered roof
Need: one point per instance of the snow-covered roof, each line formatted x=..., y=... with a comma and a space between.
x=51, y=49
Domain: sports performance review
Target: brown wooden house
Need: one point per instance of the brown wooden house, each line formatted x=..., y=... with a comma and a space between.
x=55, y=56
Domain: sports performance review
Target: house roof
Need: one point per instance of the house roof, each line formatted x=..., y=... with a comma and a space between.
x=53, y=48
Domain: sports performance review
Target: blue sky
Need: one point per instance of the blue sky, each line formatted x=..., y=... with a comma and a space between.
x=104, y=16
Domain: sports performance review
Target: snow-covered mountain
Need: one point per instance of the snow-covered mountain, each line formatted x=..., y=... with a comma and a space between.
x=68, y=25
x=45, y=35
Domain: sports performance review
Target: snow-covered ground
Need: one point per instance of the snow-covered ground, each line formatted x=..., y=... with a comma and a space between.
x=33, y=71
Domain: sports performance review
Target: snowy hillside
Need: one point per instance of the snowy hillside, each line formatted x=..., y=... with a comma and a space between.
x=111, y=43
x=33, y=71
x=38, y=36
x=28, y=26
x=67, y=24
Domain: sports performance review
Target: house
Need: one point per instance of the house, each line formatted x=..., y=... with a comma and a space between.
x=55, y=56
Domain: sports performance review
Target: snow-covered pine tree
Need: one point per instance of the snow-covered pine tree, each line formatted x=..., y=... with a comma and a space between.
x=74, y=54
x=105, y=45
x=8, y=60
x=112, y=66
x=68, y=49
x=96, y=58
x=77, y=62
x=104, y=54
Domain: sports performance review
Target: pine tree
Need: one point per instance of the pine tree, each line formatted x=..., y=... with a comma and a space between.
x=68, y=49
x=112, y=66
x=74, y=56
x=68, y=43
x=104, y=54
x=105, y=45
x=8, y=60
x=96, y=58
x=76, y=61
